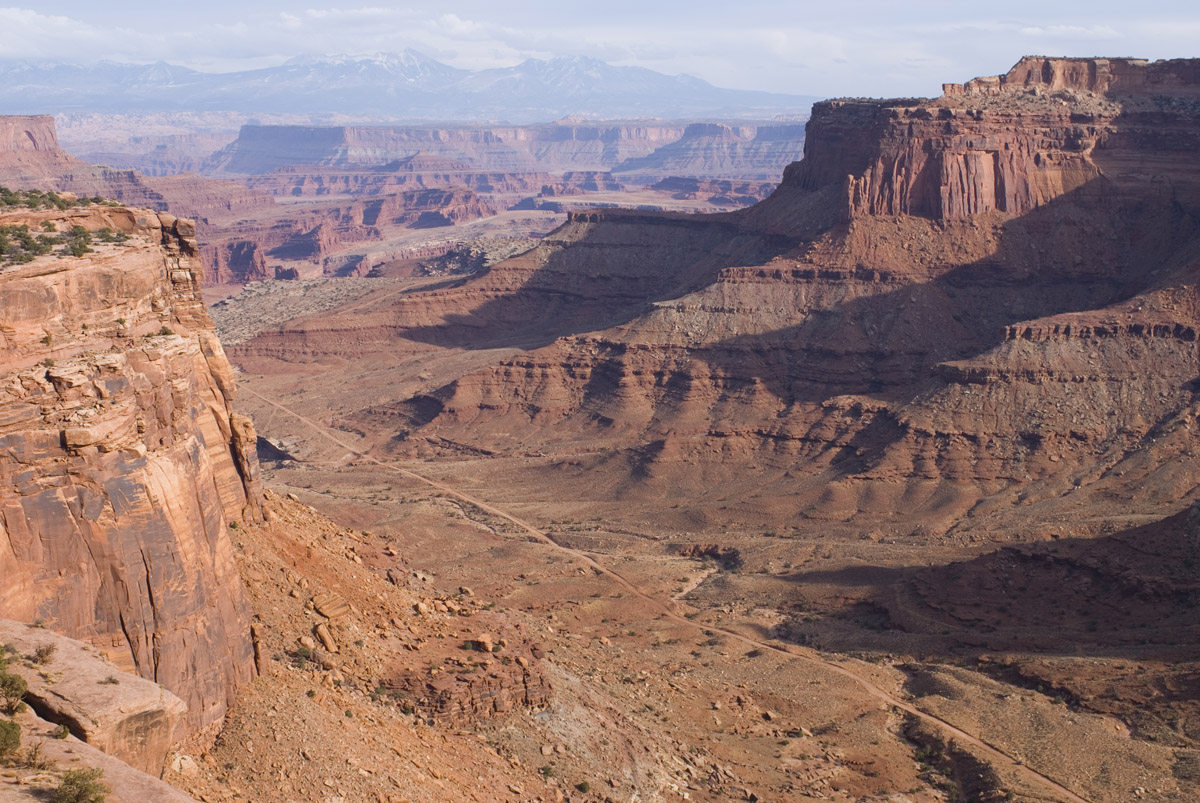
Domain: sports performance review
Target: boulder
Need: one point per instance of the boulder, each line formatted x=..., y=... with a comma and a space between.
x=128, y=717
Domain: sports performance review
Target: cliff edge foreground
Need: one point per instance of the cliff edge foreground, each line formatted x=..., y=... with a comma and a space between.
x=122, y=461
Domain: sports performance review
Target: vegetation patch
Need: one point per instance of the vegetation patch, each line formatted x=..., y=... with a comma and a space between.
x=46, y=199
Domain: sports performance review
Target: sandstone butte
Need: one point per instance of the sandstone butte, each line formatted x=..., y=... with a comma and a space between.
x=123, y=461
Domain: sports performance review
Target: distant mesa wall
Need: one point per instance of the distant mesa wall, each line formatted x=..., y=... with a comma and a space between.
x=122, y=461
x=261, y=149
x=499, y=149
x=721, y=151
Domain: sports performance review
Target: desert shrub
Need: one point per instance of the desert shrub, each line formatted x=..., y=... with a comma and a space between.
x=39, y=199
x=43, y=653
x=107, y=235
x=12, y=689
x=18, y=245
x=10, y=738
x=77, y=242
x=81, y=786
x=301, y=657
x=34, y=759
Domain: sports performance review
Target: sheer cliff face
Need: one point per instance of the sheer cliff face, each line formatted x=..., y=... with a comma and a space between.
x=943, y=305
x=122, y=460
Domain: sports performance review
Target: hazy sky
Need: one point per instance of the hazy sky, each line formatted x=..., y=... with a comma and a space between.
x=836, y=47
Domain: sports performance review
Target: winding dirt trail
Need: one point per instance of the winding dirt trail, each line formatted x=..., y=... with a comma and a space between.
x=668, y=611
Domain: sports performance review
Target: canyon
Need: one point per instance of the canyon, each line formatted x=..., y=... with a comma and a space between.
x=875, y=484
x=302, y=200
x=860, y=328
x=930, y=341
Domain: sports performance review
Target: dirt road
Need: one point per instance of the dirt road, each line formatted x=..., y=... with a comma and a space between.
x=668, y=611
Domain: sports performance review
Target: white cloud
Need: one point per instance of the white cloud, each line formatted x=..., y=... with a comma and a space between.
x=29, y=34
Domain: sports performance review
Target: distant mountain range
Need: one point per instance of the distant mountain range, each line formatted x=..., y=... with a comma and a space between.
x=405, y=85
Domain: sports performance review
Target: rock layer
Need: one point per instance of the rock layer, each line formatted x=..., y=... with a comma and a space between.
x=123, y=460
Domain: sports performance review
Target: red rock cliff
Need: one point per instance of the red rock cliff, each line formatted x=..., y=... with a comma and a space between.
x=1008, y=143
x=122, y=461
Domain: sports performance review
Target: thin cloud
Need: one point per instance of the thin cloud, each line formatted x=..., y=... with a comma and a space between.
x=1072, y=31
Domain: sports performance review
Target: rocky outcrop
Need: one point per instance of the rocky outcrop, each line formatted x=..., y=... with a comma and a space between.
x=1009, y=144
x=716, y=191
x=30, y=158
x=236, y=261
x=126, y=716
x=127, y=784
x=574, y=182
x=124, y=462
x=476, y=679
x=28, y=134
x=463, y=700
x=1098, y=75
x=314, y=234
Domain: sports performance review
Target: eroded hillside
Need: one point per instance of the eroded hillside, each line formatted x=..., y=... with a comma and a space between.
x=948, y=299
